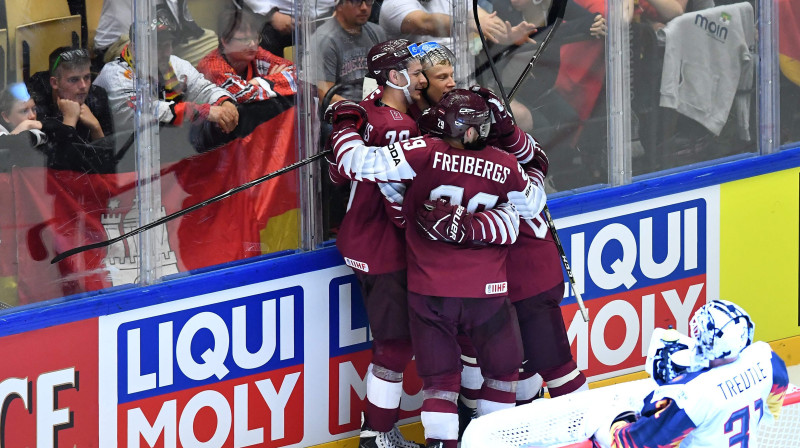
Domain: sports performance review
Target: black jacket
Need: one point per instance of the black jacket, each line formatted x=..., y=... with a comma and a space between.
x=71, y=148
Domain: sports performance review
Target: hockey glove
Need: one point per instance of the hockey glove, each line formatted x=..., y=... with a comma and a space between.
x=437, y=220
x=502, y=122
x=604, y=434
x=343, y=114
x=529, y=202
x=539, y=161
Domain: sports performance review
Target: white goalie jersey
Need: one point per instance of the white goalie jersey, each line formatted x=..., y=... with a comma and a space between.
x=725, y=403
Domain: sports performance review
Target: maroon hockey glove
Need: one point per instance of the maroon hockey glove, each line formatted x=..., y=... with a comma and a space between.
x=539, y=161
x=346, y=113
x=439, y=221
x=502, y=122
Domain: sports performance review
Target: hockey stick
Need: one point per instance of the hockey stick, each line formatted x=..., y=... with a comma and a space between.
x=184, y=211
x=561, y=6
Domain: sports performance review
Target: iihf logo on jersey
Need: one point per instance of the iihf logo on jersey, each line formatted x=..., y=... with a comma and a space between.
x=497, y=288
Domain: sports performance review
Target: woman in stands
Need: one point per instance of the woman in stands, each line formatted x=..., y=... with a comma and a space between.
x=248, y=72
x=17, y=110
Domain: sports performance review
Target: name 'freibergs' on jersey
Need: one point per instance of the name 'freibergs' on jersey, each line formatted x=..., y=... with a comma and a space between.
x=478, y=180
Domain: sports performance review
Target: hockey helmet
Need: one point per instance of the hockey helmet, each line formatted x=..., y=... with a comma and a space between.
x=386, y=56
x=433, y=53
x=458, y=111
x=721, y=329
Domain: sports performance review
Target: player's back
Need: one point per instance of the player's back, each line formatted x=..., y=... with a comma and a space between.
x=534, y=264
x=477, y=180
x=367, y=238
x=727, y=402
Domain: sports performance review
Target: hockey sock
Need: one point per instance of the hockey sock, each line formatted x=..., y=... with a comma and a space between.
x=497, y=394
x=564, y=379
x=529, y=387
x=384, y=389
x=471, y=381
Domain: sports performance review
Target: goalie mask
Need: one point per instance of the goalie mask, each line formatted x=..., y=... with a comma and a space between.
x=392, y=55
x=458, y=111
x=721, y=329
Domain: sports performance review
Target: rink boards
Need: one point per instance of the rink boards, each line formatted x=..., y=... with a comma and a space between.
x=274, y=352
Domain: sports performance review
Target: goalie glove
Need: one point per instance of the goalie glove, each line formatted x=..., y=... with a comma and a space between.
x=604, y=435
x=669, y=355
x=437, y=220
x=344, y=114
x=502, y=122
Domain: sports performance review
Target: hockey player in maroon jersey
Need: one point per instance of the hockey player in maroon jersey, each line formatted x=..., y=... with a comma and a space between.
x=375, y=247
x=452, y=287
x=438, y=65
x=536, y=282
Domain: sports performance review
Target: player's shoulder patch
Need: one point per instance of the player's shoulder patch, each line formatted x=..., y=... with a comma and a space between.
x=396, y=115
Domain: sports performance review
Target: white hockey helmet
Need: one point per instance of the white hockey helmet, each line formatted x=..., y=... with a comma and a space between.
x=721, y=329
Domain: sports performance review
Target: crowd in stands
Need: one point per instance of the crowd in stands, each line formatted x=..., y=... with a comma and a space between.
x=205, y=71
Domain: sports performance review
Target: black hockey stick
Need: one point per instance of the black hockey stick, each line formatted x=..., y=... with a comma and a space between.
x=561, y=6
x=184, y=211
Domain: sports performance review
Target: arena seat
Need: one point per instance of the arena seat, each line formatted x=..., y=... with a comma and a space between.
x=35, y=41
x=21, y=12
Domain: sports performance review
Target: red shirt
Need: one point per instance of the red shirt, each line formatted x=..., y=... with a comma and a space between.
x=217, y=70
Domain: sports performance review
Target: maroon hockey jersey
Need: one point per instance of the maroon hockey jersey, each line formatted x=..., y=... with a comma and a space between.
x=477, y=180
x=368, y=239
x=534, y=265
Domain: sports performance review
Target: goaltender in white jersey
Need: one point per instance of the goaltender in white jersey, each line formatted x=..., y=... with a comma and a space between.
x=730, y=385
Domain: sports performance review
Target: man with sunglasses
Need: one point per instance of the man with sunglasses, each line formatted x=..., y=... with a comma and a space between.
x=343, y=44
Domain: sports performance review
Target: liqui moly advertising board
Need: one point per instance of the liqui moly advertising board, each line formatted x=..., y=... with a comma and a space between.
x=272, y=364
x=638, y=267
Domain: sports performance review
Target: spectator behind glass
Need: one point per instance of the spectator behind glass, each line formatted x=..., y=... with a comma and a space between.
x=343, y=44
x=248, y=72
x=19, y=129
x=17, y=110
x=277, y=32
x=183, y=93
x=429, y=20
x=192, y=42
x=657, y=13
x=66, y=94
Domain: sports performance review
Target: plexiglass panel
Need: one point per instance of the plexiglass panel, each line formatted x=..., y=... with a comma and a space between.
x=104, y=135
x=561, y=101
x=694, y=92
x=788, y=12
